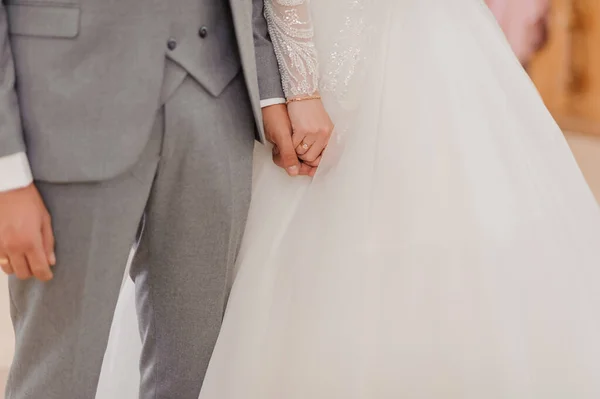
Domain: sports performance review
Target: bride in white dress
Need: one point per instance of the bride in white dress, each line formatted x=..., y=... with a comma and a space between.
x=448, y=247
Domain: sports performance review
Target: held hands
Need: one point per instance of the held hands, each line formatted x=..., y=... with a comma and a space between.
x=300, y=133
x=312, y=128
x=26, y=238
x=278, y=130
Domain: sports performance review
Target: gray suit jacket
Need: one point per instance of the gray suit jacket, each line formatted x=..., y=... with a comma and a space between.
x=89, y=74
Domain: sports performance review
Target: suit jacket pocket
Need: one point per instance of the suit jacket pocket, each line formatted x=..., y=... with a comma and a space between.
x=43, y=18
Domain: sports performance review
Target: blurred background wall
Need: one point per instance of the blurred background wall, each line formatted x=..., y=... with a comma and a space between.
x=6, y=335
x=559, y=43
x=525, y=24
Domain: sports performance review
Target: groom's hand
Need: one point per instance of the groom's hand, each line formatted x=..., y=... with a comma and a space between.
x=26, y=238
x=278, y=130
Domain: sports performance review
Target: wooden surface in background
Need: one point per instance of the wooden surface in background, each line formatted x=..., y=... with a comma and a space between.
x=567, y=70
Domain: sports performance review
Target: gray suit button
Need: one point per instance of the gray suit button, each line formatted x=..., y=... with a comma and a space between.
x=171, y=44
x=203, y=32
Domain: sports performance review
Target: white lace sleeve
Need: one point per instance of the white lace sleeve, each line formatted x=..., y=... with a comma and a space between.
x=291, y=31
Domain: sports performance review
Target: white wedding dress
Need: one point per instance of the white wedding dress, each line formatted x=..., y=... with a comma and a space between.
x=448, y=247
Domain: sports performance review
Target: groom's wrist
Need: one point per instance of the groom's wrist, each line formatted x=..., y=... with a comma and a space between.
x=15, y=172
x=271, y=101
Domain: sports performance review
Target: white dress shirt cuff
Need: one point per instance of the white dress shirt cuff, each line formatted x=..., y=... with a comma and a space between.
x=271, y=101
x=14, y=172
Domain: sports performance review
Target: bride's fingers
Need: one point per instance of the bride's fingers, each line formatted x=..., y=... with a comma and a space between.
x=314, y=163
x=304, y=142
x=306, y=170
x=302, y=148
x=297, y=138
x=314, y=151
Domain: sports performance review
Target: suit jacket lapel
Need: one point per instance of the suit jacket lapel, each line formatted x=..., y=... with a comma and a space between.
x=241, y=11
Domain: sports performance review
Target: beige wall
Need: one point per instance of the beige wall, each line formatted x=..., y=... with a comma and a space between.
x=587, y=151
x=6, y=334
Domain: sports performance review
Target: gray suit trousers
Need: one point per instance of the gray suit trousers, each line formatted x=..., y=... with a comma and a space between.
x=192, y=183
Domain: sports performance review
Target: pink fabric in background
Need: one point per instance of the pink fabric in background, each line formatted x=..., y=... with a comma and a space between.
x=523, y=22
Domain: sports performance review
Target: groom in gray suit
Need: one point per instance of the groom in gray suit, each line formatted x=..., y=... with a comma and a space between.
x=134, y=118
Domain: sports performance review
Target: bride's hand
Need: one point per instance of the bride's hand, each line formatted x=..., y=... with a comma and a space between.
x=311, y=129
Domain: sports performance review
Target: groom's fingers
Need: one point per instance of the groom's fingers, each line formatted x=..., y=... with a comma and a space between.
x=305, y=169
x=38, y=263
x=22, y=216
x=48, y=240
x=278, y=130
x=5, y=264
x=287, y=158
x=20, y=266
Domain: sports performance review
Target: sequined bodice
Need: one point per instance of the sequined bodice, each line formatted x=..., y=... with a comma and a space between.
x=292, y=33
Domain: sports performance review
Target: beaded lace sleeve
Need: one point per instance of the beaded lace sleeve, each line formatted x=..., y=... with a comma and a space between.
x=291, y=31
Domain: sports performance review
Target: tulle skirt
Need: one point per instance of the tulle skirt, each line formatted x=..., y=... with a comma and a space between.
x=448, y=248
